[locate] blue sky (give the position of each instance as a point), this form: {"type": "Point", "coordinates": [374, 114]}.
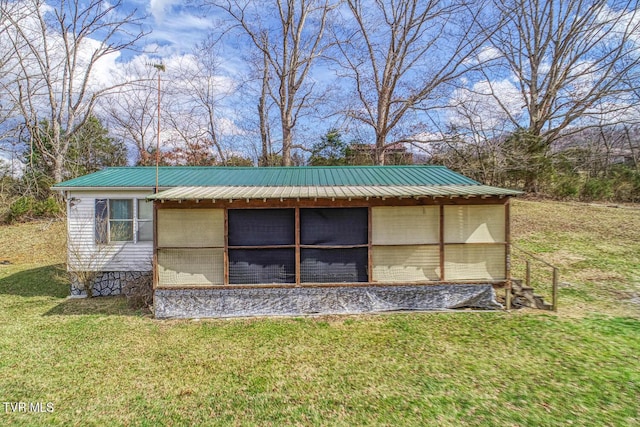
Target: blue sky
{"type": "Point", "coordinates": [175, 26]}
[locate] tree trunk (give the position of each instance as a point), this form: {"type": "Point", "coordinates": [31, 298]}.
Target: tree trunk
{"type": "Point", "coordinates": [58, 168]}
{"type": "Point", "coordinates": [265, 158]}
{"type": "Point", "coordinates": [286, 145]}
{"type": "Point", "coordinates": [378, 155]}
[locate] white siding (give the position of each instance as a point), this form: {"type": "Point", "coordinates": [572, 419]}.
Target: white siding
{"type": "Point", "coordinates": [85, 254]}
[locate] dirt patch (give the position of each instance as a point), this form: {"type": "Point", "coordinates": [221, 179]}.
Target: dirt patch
{"type": "Point", "coordinates": [595, 275]}
{"type": "Point", "coordinates": [563, 258]}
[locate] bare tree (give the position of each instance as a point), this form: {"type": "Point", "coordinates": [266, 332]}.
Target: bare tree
{"type": "Point", "coordinates": [290, 36]}
{"type": "Point", "coordinates": [566, 57]}
{"type": "Point", "coordinates": [197, 111]}
{"type": "Point", "coordinates": [400, 56]}
{"type": "Point", "coordinates": [266, 153]}
{"type": "Point", "coordinates": [58, 50]}
{"type": "Point", "coordinates": [9, 126]}
{"type": "Point", "coordinates": [132, 111]}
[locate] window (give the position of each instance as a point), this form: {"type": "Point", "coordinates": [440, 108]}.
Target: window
{"type": "Point", "coordinates": [120, 220]}
{"type": "Point", "coordinates": [123, 220]}
{"type": "Point", "coordinates": [334, 245]}
{"type": "Point", "coordinates": [261, 246]}
{"type": "Point", "coordinates": [145, 221]}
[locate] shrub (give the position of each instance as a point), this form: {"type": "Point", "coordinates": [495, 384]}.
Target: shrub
{"type": "Point", "coordinates": [26, 208]}
{"type": "Point", "coordinates": [566, 187]}
{"type": "Point", "coordinates": [139, 292]}
{"type": "Point", "coordinates": [626, 183]}
{"type": "Point", "coordinates": [597, 189]}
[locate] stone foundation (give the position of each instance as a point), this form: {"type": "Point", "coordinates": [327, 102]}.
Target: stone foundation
{"type": "Point", "coordinates": [109, 283]}
{"type": "Point", "coordinates": [196, 303]}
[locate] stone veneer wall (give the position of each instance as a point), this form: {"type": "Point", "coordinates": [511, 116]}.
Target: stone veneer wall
{"type": "Point", "coordinates": [109, 282]}
{"type": "Point", "coordinates": [194, 303]}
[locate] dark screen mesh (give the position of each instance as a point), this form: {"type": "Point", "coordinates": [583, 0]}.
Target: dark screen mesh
{"type": "Point", "coordinates": [261, 227]}
{"type": "Point", "coordinates": [333, 226]}
{"type": "Point", "coordinates": [333, 265]}
{"type": "Point", "coordinates": [251, 266]}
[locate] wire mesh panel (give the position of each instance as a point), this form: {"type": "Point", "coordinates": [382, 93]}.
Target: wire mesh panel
{"type": "Point", "coordinates": [261, 227]}
{"type": "Point", "coordinates": [334, 226]}
{"type": "Point", "coordinates": [190, 227]}
{"type": "Point", "coordinates": [406, 263]}
{"type": "Point", "coordinates": [261, 266]}
{"type": "Point", "coordinates": [188, 267]}
{"type": "Point", "coordinates": [333, 265]}
{"type": "Point", "coordinates": [408, 225]}
{"type": "Point", "coordinates": [474, 262]}
{"type": "Point", "coordinates": [474, 224]}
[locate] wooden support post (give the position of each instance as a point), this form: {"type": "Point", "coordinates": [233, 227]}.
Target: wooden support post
{"type": "Point", "coordinates": [154, 271]}
{"type": "Point", "coordinates": [369, 245]}
{"type": "Point", "coordinates": [554, 290]}
{"type": "Point", "coordinates": [507, 254]}
{"type": "Point", "coordinates": [297, 241]}
{"type": "Point", "coordinates": [225, 279]}
{"type": "Point", "coordinates": [441, 238]}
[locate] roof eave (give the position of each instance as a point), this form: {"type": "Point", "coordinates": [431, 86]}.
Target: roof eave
{"type": "Point", "coordinates": [334, 193]}
{"type": "Point", "coordinates": [64, 188]}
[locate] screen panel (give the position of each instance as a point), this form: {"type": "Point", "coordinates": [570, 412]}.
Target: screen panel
{"type": "Point", "coordinates": [405, 225]}
{"type": "Point", "coordinates": [189, 267]}
{"type": "Point", "coordinates": [333, 265]}
{"type": "Point", "coordinates": [334, 226]}
{"type": "Point", "coordinates": [474, 262]}
{"type": "Point", "coordinates": [261, 227]}
{"type": "Point", "coordinates": [474, 224]}
{"type": "Point", "coordinates": [190, 227]}
{"type": "Point", "coordinates": [406, 263]}
{"type": "Point", "coordinates": [261, 266]}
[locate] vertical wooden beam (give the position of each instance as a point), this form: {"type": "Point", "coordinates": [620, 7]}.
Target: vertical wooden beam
{"type": "Point", "coordinates": [441, 232]}
{"type": "Point", "coordinates": [226, 247]}
{"type": "Point", "coordinates": [554, 289]}
{"type": "Point", "coordinates": [507, 259]}
{"type": "Point", "coordinates": [369, 244]}
{"type": "Point", "coordinates": [154, 266]}
{"type": "Point", "coordinates": [297, 239]}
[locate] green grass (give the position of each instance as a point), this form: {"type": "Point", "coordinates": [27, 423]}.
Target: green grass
{"type": "Point", "coordinates": [597, 249]}
{"type": "Point", "coordinates": [101, 363]}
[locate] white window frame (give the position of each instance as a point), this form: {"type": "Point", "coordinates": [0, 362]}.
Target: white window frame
{"type": "Point", "coordinates": [134, 220]}
{"type": "Point", "coordinates": [138, 220]}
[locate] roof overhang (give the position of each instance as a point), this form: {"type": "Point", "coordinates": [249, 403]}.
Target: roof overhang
{"type": "Point", "coordinates": [330, 192]}
{"type": "Point", "coordinates": [106, 188]}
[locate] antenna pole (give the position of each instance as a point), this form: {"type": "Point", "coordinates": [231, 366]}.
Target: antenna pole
{"type": "Point", "coordinates": [158, 137]}
{"type": "Point", "coordinates": [159, 67]}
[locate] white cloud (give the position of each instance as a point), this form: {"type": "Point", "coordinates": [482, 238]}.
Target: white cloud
{"type": "Point", "coordinates": [486, 103]}
{"type": "Point", "coordinates": [159, 9]}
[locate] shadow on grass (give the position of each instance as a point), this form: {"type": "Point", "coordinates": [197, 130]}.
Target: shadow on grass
{"type": "Point", "coordinates": [50, 280]}
{"type": "Point", "coordinates": [110, 306]}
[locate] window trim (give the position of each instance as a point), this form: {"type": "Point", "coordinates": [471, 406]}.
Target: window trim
{"type": "Point", "coordinates": [106, 240]}
{"type": "Point", "coordinates": [128, 220]}
{"type": "Point", "coordinates": [138, 220]}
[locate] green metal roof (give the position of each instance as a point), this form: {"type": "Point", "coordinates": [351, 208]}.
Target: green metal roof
{"type": "Point", "coordinates": [215, 176]}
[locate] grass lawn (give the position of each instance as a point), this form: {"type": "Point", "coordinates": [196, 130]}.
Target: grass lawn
{"type": "Point", "coordinates": [100, 363]}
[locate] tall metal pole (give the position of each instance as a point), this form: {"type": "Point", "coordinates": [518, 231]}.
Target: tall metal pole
{"type": "Point", "coordinates": [158, 67]}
